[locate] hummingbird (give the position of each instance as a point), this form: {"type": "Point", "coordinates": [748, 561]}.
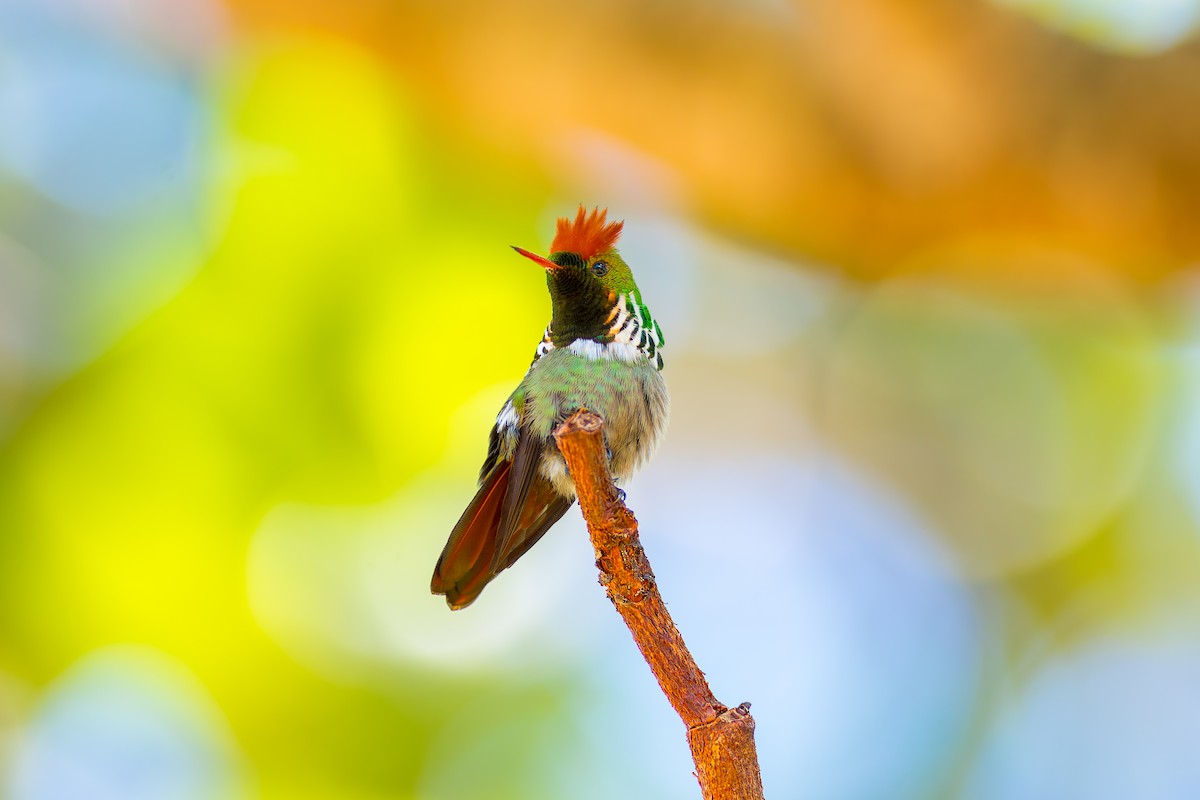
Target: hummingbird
{"type": "Point", "coordinates": [601, 351]}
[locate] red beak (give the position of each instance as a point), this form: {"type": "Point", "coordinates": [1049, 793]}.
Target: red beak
{"type": "Point", "coordinates": [535, 258]}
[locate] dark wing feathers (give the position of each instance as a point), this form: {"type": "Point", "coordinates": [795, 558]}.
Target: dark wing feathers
{"type": "Point", "coordinates": [513, 508]}
{"type": "Point", "coordinates": [544, 508]}
{"type": "Point", "coordinates": [493, 453]}
{"type": "Point", "coordinates": [526, 460]}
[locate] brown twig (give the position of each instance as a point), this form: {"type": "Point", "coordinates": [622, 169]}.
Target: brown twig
{"type": "Point", "coordinates": [721, 738]}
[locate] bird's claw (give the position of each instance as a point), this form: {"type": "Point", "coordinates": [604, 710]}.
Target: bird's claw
{"type": "Point", "coordinates": [620, 493]}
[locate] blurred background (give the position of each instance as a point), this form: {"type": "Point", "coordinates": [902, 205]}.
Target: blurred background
{"type": "Point", "coordinates": [929, 499]}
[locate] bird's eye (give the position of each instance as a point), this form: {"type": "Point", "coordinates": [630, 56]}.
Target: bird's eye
{"type": "Point", "coordinates": [600, 268]}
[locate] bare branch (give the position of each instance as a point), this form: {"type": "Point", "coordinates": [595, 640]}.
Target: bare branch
{"type": "Point", "coordinates": [721, 738]}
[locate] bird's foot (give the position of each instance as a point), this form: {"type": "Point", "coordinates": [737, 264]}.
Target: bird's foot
{"type": "Point", "coordinates": [620, 493]}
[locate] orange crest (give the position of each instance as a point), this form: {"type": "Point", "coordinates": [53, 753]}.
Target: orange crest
{"type": "Point", "coordinates": [588, 236]}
